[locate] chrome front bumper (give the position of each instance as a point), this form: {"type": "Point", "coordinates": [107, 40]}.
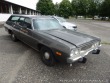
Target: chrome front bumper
{"type": "Point", "coordinates": [95, 50]}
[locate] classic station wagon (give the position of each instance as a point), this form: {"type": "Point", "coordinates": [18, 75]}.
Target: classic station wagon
{"type": "Point", "coordinates": [55, 43]}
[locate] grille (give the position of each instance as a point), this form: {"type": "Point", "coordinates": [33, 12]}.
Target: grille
{"type": "Point", "coordinates": [85, 47]}
{"type": "Point", "coordinates": [74, 26]}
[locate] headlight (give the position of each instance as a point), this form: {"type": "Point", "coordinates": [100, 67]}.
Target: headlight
{"type": "Point", "coordinates": [96, 44]}
{"type": "Point", "coordinates": [74, 52]}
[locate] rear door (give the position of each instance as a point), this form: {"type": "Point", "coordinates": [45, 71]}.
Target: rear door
{"type": "Point", "coordinates": [12, 23]}
{"type": "Point", "coordinates": [19, 26]}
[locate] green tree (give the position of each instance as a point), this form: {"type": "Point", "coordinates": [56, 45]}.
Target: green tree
{"type": "Point", "coordinates": [56, 9]}
{"type": "Point", "coordinates": [82, 7]}
{"type": "Point", "coordinates": [65, 9]}
{"type": "Point", "coordinates": [74, 4]}
{"type": "Point", "coordinates": [93, 6]}
{"type": "Point", "coordinates": [79, 7]}
{"type": "Point", "coordinates": [46, 7]}
{"type": "Point", "coordinates": [104, 9]}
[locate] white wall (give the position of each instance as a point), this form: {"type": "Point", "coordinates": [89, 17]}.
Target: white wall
{"type": "Point", "coordinates": [4, 17]}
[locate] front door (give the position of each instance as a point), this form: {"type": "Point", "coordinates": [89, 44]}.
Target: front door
{"type": "Point", "coordinates": [26, 34]}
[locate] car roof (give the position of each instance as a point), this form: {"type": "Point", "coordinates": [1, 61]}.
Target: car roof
{"type": "Point", "coordinates": [32, 16]}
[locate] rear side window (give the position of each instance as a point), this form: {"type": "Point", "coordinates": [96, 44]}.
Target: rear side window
{"type": "Point", "coordinates": [21, 21]}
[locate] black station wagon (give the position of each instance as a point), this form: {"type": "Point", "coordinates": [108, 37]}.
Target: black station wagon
{"type": "Point", "coordinates": [55, 43]}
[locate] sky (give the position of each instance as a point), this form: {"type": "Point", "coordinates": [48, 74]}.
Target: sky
{"type": "Point", "coordinates": [29, 3]}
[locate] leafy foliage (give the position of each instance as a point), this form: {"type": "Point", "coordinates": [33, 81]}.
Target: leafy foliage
{"type": "Point", "coordinates": [93, 7]}
{"type": "Point", "coordinates": [46, 7]}
{"type": "Point", "coordinates": [104, 8]}
{"type": "Point", "coordinates": [85, 7]}
{"type": "Point", "coordinates": [65, 8]}
{"type": "Point", "coordinates": [75, 8]}
{"type": "Point", "coordinates": [56, 9]}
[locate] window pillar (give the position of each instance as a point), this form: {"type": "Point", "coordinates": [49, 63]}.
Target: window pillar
{"type": "Point", "coordinates": [20, 12]}
{"type": "Point", "coordinates": [30, 12]}
{"type": "Point", "coordinates": [26, 11]}
{"type": "Point", "coordinates": [11, 9]}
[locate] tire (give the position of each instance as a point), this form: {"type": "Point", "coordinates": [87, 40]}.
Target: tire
{"type": "Point", "coordinates": [82, 60]}
{"type": "Point", "coordinates": [96, 51]}
{"type": "Point", "coordinates": [13, 37]}
{"type": "Point", "coordinates": [47, 56]}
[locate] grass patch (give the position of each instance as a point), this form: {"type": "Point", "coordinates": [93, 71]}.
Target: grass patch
{"type": "Point", "coordinates": [106, 43]}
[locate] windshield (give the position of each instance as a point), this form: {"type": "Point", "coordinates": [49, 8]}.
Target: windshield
{"type": "Point", "coordinates": [46, 24]}
{"type": "Point", "coordinates": [61, 19]}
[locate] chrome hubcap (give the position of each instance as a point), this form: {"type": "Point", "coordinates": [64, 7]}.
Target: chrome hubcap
{"type": "Point", "coordinates": [46, 55]}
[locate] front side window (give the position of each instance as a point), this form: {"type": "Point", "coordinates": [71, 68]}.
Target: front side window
{"type": "Point", "coordinates": [46, 24]}
{"type": "Point", "coordinates": [28, 23]}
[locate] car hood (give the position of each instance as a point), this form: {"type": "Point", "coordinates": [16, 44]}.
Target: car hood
{"type": "Point", "coordinates": [67, 24]}
{"type": "Point", "coordinates": [72, 37]}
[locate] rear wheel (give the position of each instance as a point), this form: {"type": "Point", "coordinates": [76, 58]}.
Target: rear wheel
{"type": "Point", "coordinates": [13, 37]}
{"type": "Point", "coordinates": [47, 56]}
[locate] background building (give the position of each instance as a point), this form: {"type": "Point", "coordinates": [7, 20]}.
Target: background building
{"type": "Point", "coordinates": [7, 8]}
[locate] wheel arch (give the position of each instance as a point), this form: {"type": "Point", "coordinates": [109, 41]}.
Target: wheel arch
{"type": "Point", "coordinates": [10, 31]}
{"type": "Point", "coordinates": [42, 45]}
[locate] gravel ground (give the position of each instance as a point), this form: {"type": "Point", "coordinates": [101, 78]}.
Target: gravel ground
{"type": "Point", "coordinates": [1, 24]}
{"type": "Point", "coordinates": [21, 64]}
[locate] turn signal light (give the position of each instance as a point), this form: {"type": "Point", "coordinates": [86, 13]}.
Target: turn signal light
{"type": "Point", "coordinates": [58, 53]}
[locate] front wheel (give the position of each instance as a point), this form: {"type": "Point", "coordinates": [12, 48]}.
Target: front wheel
{"type": "Point", "coordinates": [47, 56]}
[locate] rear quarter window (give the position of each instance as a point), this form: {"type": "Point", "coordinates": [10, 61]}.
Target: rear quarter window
{"type": "Point", "coordinates": [13, 18]}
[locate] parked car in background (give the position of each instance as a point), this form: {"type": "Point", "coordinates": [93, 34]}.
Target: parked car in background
{"type": "Point", "coordinates": [65, 24]}
{"type": "Point", "coordinates": [55, 43]}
